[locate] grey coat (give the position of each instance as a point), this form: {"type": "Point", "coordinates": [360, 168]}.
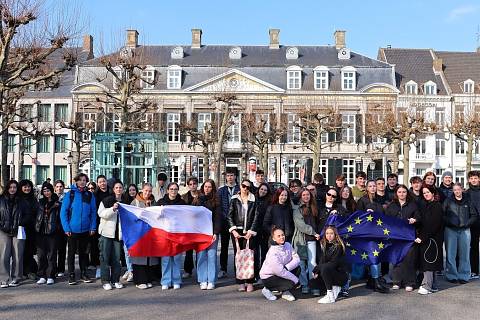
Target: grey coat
{"type": "Point", "coordinates": [301, 229]}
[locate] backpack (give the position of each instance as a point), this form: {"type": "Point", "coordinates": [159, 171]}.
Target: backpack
{"type": "Point", "coordinates": [85, 198]}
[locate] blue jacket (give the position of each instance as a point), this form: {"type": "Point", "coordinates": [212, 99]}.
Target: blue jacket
{"type": "Point", "coordinates": [81, 215]}
{"type": "Point", "coordinates": [225, 198]}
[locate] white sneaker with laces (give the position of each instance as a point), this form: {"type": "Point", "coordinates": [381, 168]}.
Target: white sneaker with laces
{"type": "Point", "coordinates": [336, 290]}
{"type": "Point", "coordinates": [149, 285]}
{"type": "Point", "coordinates": [268, 294]}
{"type": "Point", "coordinates": [408, 289]}
{"type": "Point", "coordinates": [142, 286]}
{"type": "Point", "coordinates": [176, 286]}
{"type": "Point", "coordinates": [50, 281]}
{"type": "Point", "coordinates": [164, 287]}
{"type": "Point", "coordinates": [3, 285]}
{"type": "Point", "coordinates": [287, 295]}
{"type": "Point", "coordinates": [118, 285]}
{"type": "Point", "coordinates": [107, 286]}
{"type": "Point", "coordinates": [203, 286]}
{"type": "Point", "coordinates": [423, 291]}
{"type": "Point", "coordinates": [42, 281]}
{"type": "Point", "coordinates": [395, 287]}
{"type": "Point", "coordinates": [328, 298]}
{"type": "Point", "coordinates": [125, 275]}
{"type": "Point", "coordinates": [130, 277]}
{"type": "Point", "coordinates": [60, 274]}
{"type": "Point", "coordinates": [210, 286]}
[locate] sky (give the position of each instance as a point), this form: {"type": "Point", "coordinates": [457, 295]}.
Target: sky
{"type": "Point", "coordinates": [441, 24]}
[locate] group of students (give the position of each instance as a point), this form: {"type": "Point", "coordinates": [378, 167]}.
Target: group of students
{"type": "Point", "coordinates": [286, 228]}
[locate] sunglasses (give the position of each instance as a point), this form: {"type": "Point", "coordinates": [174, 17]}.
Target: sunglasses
{"type": "Point", "coordinates": [331, 195]}
{"type": "Point", "coordinates": [245, 186]}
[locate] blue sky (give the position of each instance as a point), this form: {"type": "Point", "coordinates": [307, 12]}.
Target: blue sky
{"type": "Point", "coordinates": [441, 24]}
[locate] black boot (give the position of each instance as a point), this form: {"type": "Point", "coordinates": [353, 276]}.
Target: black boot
{"type": "Point", "coordinates": [379, 287]}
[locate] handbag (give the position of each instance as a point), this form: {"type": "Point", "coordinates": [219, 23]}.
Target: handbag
{"type": "Point", "coordinates": [244, 262]}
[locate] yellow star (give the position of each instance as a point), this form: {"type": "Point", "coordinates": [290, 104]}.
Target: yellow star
{"type": "Point", "coordinates": [375, 253]}
{"type": "Point", "coordinates": [386, 232]}
{"type": "Point", "coordinates": [358, 220]}
{"type": "Point", "coordinates": [381, 245]}
{"type": "Point", "coordinates": [364, 256]}
{"type": "Point", "coordinates": [353, 252]}
{"type": "Point", "coordinates": [369, 218]}
{"type": "Point", "coordinates": [379, 222]}
{"type": "Point", "coordinates": [349, 228]}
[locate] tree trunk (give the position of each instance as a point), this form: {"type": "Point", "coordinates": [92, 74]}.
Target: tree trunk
{"type": "Point", "coordinates": [469, 153]}
{"type": "Point", "coordinates": [316, 153]}
{"type": "Point", "coordinates": [21, 158]}
{"type": "Point", "coordinates": [222, 132]}
{"type": "Point", "coordinates": [5, 173]}
{"type": "Point", "coordinates": [406, 163]}
{"type": "Point", "coordinates": [264, 159]}
{"type": "Point", "coordinates": [206, 167]}
{"type": "Point", "coordinates": [396, 154]}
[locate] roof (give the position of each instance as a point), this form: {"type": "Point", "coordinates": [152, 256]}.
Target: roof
{"type": "Point", "coordinates": [460, 66]}
{"type": "Point", "coordinates": [413, 64]}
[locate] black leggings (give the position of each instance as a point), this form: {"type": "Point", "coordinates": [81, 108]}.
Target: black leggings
{"type": "Point", "coordinates": [328, 277]}
{"type": "Point", "coordinates": [276, 283]}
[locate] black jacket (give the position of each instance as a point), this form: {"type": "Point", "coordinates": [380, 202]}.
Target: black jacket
{"type": "Point", "coordinates": [214, 206]}
{"type": "Point", "coordinates": [474, 196]}
{"type": "Point", "coordinates": [405, 212]}
{"type": "Point", "coordinates": [458, 214]}
{"type": "Point", "coordinates": [446, 191]}
{"type": "Point", "coordinates": [332, 254]}
{"type": "Point", "coordinates": [324, 212]}
{"type": "Point", "coordinates": [431, 234]}
{"type": "Point", "coordinates": [280, 216]}
{"type": "Point", "coordinates": [364, 204]}
{"type": "Point", "coordinates": [240, 222]}
{"type": "Point", "coordinates": [10, 215]}
{"type": "Point", "coordinates": [48, 217]}
{"type": "Point", "coordinates": [389, 192]}
{"type": "Point", "coordinates": [30, 207]}
{"type": "Point", "coordinates": [165, 201]}
{"type": "Point", "coordinates": [262, 205]}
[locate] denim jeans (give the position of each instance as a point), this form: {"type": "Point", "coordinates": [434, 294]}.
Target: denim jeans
{"type": "Point", "coordinates": [207, 264]}
{"type": "Point", "coordinates": [375, 271]}
{"type": "Point", "coordinates": [457, 244]}
{"type": "Point", "coordinates": [306, 267]}
{"type": "Point", "coordinates": [109, 259]}
{"type": "Point", "coordinates": [127, 259]}
{"type": "Point", "coordinates": [171, 270]}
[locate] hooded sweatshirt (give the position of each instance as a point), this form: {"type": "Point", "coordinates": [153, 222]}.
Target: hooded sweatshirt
{"type": "Point", "coordinates": [280, 261]}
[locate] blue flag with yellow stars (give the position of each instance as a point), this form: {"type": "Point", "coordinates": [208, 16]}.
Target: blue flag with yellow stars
{"type": "Point", "coordinates": [372, 237]}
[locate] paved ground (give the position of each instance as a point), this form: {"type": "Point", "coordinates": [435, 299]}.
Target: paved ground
{"type": "Point", "coordinates": [90, 301]}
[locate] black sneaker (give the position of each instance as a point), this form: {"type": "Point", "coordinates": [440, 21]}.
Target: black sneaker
{"type": "Point", "coordinates": [85, 278]}
{"type": "Point", "coordinates": [71, 279]}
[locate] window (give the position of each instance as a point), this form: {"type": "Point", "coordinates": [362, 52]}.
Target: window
{"type": "Point", "coordinates": [294, 78]}
{"type": "Point", "coordinates": [61, 112]}
{"type": "Point", "coordinates": [44, 113]}
{"type": "Point", "coordinates": [348, 78]}
{"type": "Point", "coordinates": [174, 173]}
{"type": "Point", "coordinates": [11, 143]}
{"type": "Point", "coordinates": [43, 144]}
{"type": "Point", "coordinates": [148, 78]}
{"type": "Point", "coordinates": [293, 169]}
{"type": "Point", "coordinates": [174, 77]}
{"type": "Point", "coordinates": [43, 172]}
{"type": "Point", "coordinates": [293, 131]}
{"type": "Point", "coordinates": [324, 137]}
{"type": "Point", "coordinates": [440, 117]}
{"type": "Point", "coordinates": [27, 172]}
{"type": "Point", "coordinates": [321, 78]}
{"type": "Point", "coordinates": [173, 130]}
{"type": "Point", "coordinates": [439, 173]}
{"type": "Point", "coordinates": [421, 146]}
{"type": "Point", "coordinates": [117, 122]}
{"type": "Point", "coordinates": [348, 128]}
{"type": "Point", "coordinates": [420, 171]}
{"type": "Point", "coordinates": [26, 112]}
{"type": "Point", "coordinates": [460, 176]}
{"type": "Point", "coordinates": [60, 143]}
{"type": "Point", "coordinates": [440, 147]}
{"type": "Point", "coordinates": [459, 146]}
{"type": "Point", "coordinates": [323, 168]}
{"type": "Point", "coordinates": [459, 113]}
{"type": "Point", "coordinates": [147, 121]}
{"type": "Point", "coordinates": [89, 120]}
{"type": "Point", "coordinates": [233, 132]}
{"type": "Point", "coordinates": [60, 172]}
{"type": "Point", "coordinates": [200, 176]}
{"type": "Point", "coordinates": [430, 88]}
{"type": "Point", "coordinates": [348, 170]}
{"type": "Point", "coordinates": [469, 86]}
{"type": "Point", "coordinates": [411, 87]}
{"type": "Point", "coordinates": [28, 145]}
{"type": "Point", "coordinates": [203, 120]}
{"type": "Point", "coordinates": [264, 118]}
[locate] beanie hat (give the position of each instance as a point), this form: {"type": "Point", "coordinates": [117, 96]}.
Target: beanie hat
{"type": "Point", "coordinates": [447, 174]}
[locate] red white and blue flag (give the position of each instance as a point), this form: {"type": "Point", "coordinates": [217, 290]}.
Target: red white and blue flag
{"type": "Point", "coordinates": [165, 231]}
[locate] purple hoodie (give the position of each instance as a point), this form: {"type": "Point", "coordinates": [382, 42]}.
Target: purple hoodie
{"type": "Point", "coordinates": [280, 260]}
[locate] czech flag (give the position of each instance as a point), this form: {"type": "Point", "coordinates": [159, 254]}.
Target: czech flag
{"type": "Point", "coordinates": [165, 231]}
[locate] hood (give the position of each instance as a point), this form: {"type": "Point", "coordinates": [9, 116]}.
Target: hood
{"type": "Point", "coordinates": [177, 199]}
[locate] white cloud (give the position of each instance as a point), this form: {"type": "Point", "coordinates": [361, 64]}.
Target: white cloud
{"type": "Point", "coordinates": [461, 11]}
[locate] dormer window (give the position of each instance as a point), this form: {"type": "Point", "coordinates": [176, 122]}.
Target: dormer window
{"type": "Point", "coordinates": [468, 86]}
{"type": "Point", "coordinates": [321, 78]}
{"type": "Point", "coordinates": [148, 78]}
{"type": "Point", "coordinates": [411, 87]}
{"type": "Point", "coordinates": [174, 77]}
{"type": "Point", "coordinates": [294, 78]}
{"type": "Point", "coordinates": [430, 88]}
{"type": "Point", "coordinates": [348, 78]}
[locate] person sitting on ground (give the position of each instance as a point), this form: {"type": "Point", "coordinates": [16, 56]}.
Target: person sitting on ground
{"type": "Point", "coordinates": [280, 270]}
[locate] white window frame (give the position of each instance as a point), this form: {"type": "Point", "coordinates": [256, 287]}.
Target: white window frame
{"type": "Point", "coordinates": [294, 167]}
{"type": "Point", "coordinates": [323, 168]}
{"type": "Point", "coordinates": [61, 112]}
{"type": "Point", "coordinates": [430, 88]}
{"type": "Point", "coordinates": [263, 117]}
{"type": "Point", "coordinates": [348, 128]}
{"type": "Point", "coordinates": [203, 119]}
{"type": "Point", "coordinates": [175, 173]}
{"type": "Point", "coordinates": [460, 176]}
{"type": "Point", "coordinates": [147, 120]}
{"type": "Point", "coordinates": [174, 77]}
{"type": "Point", "coordinates": [439, 173]}
{"type": "Point", "coordinates": [349, 78]}
{"type": "Point", "coordinates": [348, 170]}
{"type": "Point", "coordinates": [173, 127]}
{"type": "Point", "coordinates": [421, 146]}
{"type": "Point", "coordinates": [119, 72]}
{"type": "Point", "coordinates": [440, 145]}
{"type": "Point", "coordinates": [460, 147]}
{"type": "Point", "coordinates": [147, 78]}
{"type": "Point", "coordinates": [293, 131]}
{"type": "Point", "coordinates": [440, 117]}
{"type": "Point", "coordinates": [44, 116]}
{"type": "Point", "coordinates": [469, 86]}
{"type": "Point", "coordinates": [294, 78]}
{"type": "Point", "coordinates": [234, 132]}
{"type": "Point", "coordinates": [411, 87]}
{"type": "Point", "coordinates": [321, 78]}
{"type": "Point", "coordinates": [420, 171]}
{"type": "Point", "coordinates": [117, 122]}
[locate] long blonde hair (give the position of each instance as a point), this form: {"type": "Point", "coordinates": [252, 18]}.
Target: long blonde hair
{"type": "Point", "coordinates": [338, 240]}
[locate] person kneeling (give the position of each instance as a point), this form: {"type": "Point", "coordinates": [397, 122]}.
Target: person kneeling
{"type": "Point", "coordinates": [280, 270]}
{"type": "Point", "coordinates": [330, 274]}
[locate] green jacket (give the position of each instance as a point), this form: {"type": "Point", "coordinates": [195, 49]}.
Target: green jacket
{"type": "Point", "coordinates": [301, 229]}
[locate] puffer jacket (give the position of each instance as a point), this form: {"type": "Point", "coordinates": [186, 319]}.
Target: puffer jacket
{"type": "Point", "coordinates": [280, 261]}
{"type": "Point", "coordinates": [109, 219]}
{"type": "Point", "coordinates": [10, 215]}
{"type": "Point", "coordinates": [243, 222]}
{"type": "Point", "coordinates": [81, 215]}
{"type": "Point", "coordinates": [48, 216]}
{"type": "Point", "coordinates": [458, 214]}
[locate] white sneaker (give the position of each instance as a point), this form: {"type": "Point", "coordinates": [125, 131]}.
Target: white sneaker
{"type": "Point", "coordinates": [125, 275]}
{"type": "Point", "coordinates": [222, 274]}
{"type": "Point", "coordinates": [118, 285]}
{"type": "Point", "coordinates": [42, 281]}
{"type": "Point", "coordinates": [423, 291]}
{"type": "Point", "coordinates": [165, 287]}
{"type": "Point", "coordinates": [336, 290]}
{"type": "Point", "coordinates": [328, 298]}
{"type": "Point", "coordinates": [395, 287]}
{"type": "Point", "coordinates": [176, 286]}
{"type": "Point", "coordinates": [203, 286]}
{"type": "Point", "coordinates": [50, 281]}
{"type": "Point", "coordinates": [408, 289]}
{"type": "Point", "coordinates": [60, 274]}
{"type": "Point", "coordinates": [210, 286]}
{"type": "Point", "coordinates": [149, 285]}
{"type": "Point", "coordinates": [130, 277]}
{"type": "Point", "coordinates": [268, 294]}
{"type": "Point", "coordinates": [288, 296]}
{"type": "Point", "coordinates": [107, 286]}
{"type": "Point", "coordinates": [98, 273]}
{"type": "Point", "coordinates": [3, 285]}
{"type": "Point", "coordinates": [142, 286]}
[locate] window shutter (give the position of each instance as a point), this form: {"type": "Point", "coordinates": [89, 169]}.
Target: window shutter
{"type": "Point", "coordinates": [194, 120]}
{"type": "Point", "coordinates": [156, 121]}
{"type": "Point", "coordinates": [163, 122]}
{"type": "Point", "coordinates": [358, 128]}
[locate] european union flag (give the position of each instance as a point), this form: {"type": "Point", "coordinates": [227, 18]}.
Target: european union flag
{"type": "Point", "coordinates": [372, 237]}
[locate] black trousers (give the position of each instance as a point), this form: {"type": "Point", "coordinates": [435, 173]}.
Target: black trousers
{"type": "Point", "coordinates": [188, 264]}
{"type": "Point", "coordinates": [328, 277]}
{"type": "Point", "coordinates": [61, 241]}
{"type": "Point", "coordinates": [276, 283]}
{"type": "Point", "coordinates": [242, 243]}
{"type": "Point", "coordinates": [94, 251]}
{"type": "Point", "coordinates": [224, 243]}
{"type": "Point", "coordinates": [261, 248]}
{"type": "Point", "coordinates": [29, 263]}
{"type": "Point", "coordinates": [78, 242]}
{"type": "Point", "coordinates": [474, 255]}
{"type": "Point", "coordinates": [404, 273]}
{"type": "Point", "coordinates": [47, 255]}
{"type": "Point", "coordinates": [143, 274]}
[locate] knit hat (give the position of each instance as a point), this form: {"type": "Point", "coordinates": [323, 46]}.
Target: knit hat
{"type": "Point", "coordinates": [47, 186]}
{"type": "Point", "coordinates": [447, 174]}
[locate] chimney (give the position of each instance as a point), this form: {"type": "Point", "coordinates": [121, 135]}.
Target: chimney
{"type": "Point", "coordinates": [437, 65]}
{"type": "Point", "coordinates": [132, 39]}
{"type": "Point", "coordinates": [339, 39]}
{"type": "Point", "coordinates": [196, 38]}
{"type": "Point", "coordinates": [88, 46]}
{"type": "Point", "coordinates": [274, 41]}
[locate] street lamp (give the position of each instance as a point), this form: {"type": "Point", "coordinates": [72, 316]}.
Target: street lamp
{"type": "Point", "coordinates": [371, 166]}
{"type": "Point", "coordinates": [70, 161]}
{"type": "Point", "coordinates": [12, 170]}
